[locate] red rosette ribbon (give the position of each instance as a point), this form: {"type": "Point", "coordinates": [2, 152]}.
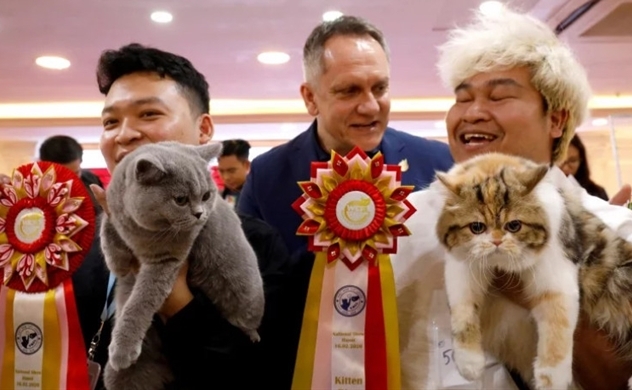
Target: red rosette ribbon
{"type": "Point", "coordinates": [354, 208]}
{"type": "Point", "coordinates": [46, 227]}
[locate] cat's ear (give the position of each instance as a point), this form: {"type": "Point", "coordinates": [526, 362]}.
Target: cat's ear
{"type": "Point", "coordinates": [209, 151]}
{"type": "Point", "coordinates": [149, 170]}
{"type": "Point", "coordinates": [444, 179]}
{"type": "Point", "coordinates": [531, 177]}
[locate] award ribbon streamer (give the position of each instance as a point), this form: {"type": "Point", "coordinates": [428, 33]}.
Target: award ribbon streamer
{"type": "Point", "coordinates": [353, 210]}
{"type": "Point", "coordinates": [46, 230]}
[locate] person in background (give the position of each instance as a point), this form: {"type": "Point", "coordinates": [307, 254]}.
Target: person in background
{"type": "Point", "coordinates": [576, 165]}
{"type": "Point", "coordinates": [67, 151]}
{"type": "Point", "coordinates": [346, 89]}
{"type": "Point", "coordinates": [233, 165]}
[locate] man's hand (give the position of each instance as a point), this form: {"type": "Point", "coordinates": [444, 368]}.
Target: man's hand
{"type": "Point", "coordinates": [596, 366]}
{"type": "Point", "coordinates": [595, 363]}
{"type": "Point", "coordinates": [180, 295]}
{"type": "Point", "coordinates": [623, 196]}
{"type": "Point", "coordinates": [99, 195]}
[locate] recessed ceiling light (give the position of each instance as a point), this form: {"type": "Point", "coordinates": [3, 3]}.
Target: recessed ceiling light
{"type": "Point", "coordinates": [52, 62]}
{"type": "Point", "coordinates": [273, 57]}
{"type": "Point", "coordinates": [491, 7]}
{"type": "Point", "coordinates": [331, 15]}
{"type": "Point", "coordinates": [599, 122]}
{"type": "Point", "coordinates": [161, 17]}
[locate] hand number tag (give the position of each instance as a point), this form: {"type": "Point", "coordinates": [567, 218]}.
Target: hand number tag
{"type": "Point", "coordinates": [446, 353]}
{"type": "Point", "coordinates": [450, 378]}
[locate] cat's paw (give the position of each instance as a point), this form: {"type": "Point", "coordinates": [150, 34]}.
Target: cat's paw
{"type": "Point", "coordinates": [122, 358]}
{"type": "Point", "coordinates": [254, 335]}
{"type": "Point", "coordinates": [470, 363]}
{"type": "Point", "coordinates": [630, 384]}
{"type": "Point", "coordinates": [559, 377]}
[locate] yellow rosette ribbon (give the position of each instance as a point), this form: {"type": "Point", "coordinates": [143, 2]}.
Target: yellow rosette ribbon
{"type": "Point", "coordinates": [353, 208]}
{"type": "Point", "coordinates": [46, 230]}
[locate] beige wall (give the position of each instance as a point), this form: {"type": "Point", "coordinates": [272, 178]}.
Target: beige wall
{"type": "Point", "coordinates": [15, 153]}
{"type": "Point", "coordinates": [600, 156]}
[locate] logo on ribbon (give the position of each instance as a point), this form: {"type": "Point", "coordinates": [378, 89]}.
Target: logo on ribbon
{"type": "Point", "coordinates": [28, 338]}
{"type": "Point", "coordinates": [349, 301]}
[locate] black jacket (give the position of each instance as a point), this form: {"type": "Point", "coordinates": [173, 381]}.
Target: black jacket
{"type": "Point", "coordinates": [203, 349]}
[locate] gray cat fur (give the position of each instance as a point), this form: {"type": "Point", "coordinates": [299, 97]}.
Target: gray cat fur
{"type": "Point", "coordinates": [147, 228]}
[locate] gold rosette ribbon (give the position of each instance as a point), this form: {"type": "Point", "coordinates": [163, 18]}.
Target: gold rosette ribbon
{"type": "Point", "coordinates": [46, 230]}
{"type": "Point", "coordinates": [354, 208]}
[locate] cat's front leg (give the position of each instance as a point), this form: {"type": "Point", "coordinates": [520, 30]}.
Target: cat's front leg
{"type": "Point", "coordinates": [118, 257]}
{"type": "Point", "coordinates": [153, 284]}
{"type": "Point", "coordinates": [465, 297]}
{"type": "Point", "coordinates": [555, 311]}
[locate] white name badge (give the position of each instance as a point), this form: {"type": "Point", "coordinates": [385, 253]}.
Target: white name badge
{"type": "Point", "coordinates": [445, 367]}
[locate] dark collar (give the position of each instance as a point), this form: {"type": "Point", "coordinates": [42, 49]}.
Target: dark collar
{"type": "Point", "coordinates": [323, 155]}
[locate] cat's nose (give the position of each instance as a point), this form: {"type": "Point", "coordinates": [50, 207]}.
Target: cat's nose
{"type": "Point", "coordinates": [198, 215]}
{"type": "Point", "coordinates": [497, 242]}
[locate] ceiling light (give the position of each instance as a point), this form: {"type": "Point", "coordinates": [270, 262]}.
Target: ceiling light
{"type": "Point", "coordinates": [52, 62]}
{"type": "Point", "coordinates": [161, 17]}
{"type": "Point", "coordinates": [599, 122]}
{"type": "Point", "coordinates": [331, 15]}
{"type": "Point", "coordinates": [491, 8]}
{"type": "Point", "coordinates": [273, 57]}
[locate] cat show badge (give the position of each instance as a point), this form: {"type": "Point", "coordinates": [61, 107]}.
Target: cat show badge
{"type": "Point", "coordinates": [353, 210]}
{"type": "Point", "coordinates": [47, 225]}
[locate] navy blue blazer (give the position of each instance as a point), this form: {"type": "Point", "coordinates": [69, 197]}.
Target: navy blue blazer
{"type": "Point", "coordinates": [271, 186]}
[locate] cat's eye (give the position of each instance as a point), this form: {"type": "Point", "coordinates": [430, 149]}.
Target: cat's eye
{"type": "Point", "coordinates": [181, 200]}
{"type": "Point", "coordinates": [513, 226]}
{"type": "Point", "coordinates": [478, 227]}
{"type": "Point", "coordinates": [206, 195]}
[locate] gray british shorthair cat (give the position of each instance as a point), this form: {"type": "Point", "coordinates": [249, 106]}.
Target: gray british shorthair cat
{"type": "Point", "coordinates": [164, 209]}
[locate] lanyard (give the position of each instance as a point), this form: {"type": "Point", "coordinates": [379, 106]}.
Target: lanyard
{"type": "Point", "coordinates": [108, 310]}
{"type": "Point", "coordinates": [106, 314]}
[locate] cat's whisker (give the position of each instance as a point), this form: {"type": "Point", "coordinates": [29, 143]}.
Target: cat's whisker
{"type": "Point", "coordinates": [164, 234]}
{"type": "Point", "coordinates": [480, 275]}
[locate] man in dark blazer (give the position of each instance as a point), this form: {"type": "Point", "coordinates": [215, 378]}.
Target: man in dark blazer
{"type": "Point", "coordinates": [272, 186]}
{"type": "Point", "coordinates": [346, 89]}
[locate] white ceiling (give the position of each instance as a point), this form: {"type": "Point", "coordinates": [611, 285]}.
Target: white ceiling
{"type": "Point", "coordinates": [223, 37]}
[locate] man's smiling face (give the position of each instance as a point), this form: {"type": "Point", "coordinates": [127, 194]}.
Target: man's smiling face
{"type": "Point", "coordinates": [501, 111]}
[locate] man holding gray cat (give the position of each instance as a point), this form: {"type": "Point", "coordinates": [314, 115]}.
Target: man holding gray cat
{"type": "Point", "coordinates": [519, 90]}
{"type": "Point", "coordinates": [153, 96]}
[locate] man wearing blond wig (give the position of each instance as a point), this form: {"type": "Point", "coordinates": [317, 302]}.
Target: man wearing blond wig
{"type": "Point", "coordinates": [519, 90]}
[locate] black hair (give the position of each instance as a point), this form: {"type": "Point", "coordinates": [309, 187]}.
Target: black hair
{"type": "Point", "coordinates": [236, 147]}
{"type": "Point", "coordinates": [136, 58]}
{"type": "Point", "coordinates": [60, 149]}
{"type": "Point", "coordinates": [583, 171]}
